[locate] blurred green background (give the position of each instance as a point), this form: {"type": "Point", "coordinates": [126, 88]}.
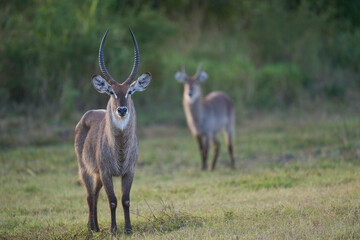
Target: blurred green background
{"type": "Point", "coordinates": [270, 56]}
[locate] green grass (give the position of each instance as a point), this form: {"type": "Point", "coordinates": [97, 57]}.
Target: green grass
{"type": "Point", "coordinates": [295, 179]}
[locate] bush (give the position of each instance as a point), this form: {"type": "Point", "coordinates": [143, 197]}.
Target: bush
{"type": "Point", "coordinates": [278, 85]}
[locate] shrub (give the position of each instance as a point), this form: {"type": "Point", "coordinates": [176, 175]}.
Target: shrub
{"type": "Point", "coordinates": [277, 85]}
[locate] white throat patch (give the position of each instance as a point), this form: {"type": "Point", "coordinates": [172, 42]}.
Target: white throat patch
{"type": "Point", "coordinates": [120, 123]}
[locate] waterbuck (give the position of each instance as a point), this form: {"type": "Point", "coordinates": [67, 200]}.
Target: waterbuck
{"type": "Point", "coordinates": [105, 141]}
{"type": "Point", "coordinates": [207, 116]}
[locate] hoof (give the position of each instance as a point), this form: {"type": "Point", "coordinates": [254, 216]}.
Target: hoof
{"type": "Point", "coordinates": [128, 231]}
{"type": "Point", "coordinates": [114, 230]}
{"type": "Point", "coordinates": [93, 228]}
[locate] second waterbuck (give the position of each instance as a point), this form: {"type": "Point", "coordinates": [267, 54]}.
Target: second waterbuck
{"type": "Point", "coordinates": [207, 116]}
{"type": "Point", "coordinates": [105, 141]}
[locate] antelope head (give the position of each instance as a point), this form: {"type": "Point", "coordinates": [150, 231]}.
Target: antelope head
{"type": "Point", "coordinates": [120, 93]}
{"type": "Point", "coordinates": [192, 89]}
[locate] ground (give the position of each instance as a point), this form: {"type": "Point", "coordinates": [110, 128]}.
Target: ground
{"type": "Point", "coordinates": [295, 179]}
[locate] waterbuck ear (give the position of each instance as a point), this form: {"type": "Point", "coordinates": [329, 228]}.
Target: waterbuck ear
{"type": "Point", "coordinates": [102, 86]}
{"type": "Point", "coordinates": [180, 77]}
{"type": "Point", "coordinates": [202, 76]}
{"type": "Point", "coordinates": [140, 84]}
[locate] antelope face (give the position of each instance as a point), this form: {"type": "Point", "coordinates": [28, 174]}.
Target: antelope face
{"type": "Point", "coordinates": [120, 104]}
{"type": "Point", "coordinates": [121, 93]}
{"type": "Point", "coordinates": [192, 89]}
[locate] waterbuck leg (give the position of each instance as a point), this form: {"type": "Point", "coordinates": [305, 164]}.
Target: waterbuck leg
{"type": "Point", "coordinates": [205, 153]}
{"type": "Point", "coordinates": [230, 149]}
{"type": "Point", "coordinates": [97, 187]}
{"type": "Point", "coordinates": [216, 145]}
{"type": "Point", "coordinates": [125, 200]}
{"type": "Point", "coordinates": [90, 198]}
{"type": "Point", "coordinates": [201, 147]}
{"type": "Point", "coordinates": [232, 161]}
{"type": "Point", "coordinates": [109, 189]}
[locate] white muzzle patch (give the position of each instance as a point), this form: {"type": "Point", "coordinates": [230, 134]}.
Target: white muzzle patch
{"type": "Point", "coordinates": [195, 95]}
{"type": "Point", "coordinates": [120, 122]}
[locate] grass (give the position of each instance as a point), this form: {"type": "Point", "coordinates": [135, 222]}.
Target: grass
{"type": "Point", "coordinates": [295, 179]}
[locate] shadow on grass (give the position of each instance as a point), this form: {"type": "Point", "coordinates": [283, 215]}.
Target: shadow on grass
{"type": "Point", "coordinates": [163, 220]}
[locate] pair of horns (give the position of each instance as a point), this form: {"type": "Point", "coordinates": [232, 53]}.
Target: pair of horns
{"type": "Point", "coordinates": [134, 70]}
{"type": "Point", "coordinates": [198, 71]}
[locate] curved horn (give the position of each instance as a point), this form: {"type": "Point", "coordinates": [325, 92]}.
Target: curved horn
{"type": "Point", "coordinates": [103, 69]}
{"type": "Point", "coordinates": [136, 60]}
{"type": "Point", "coordinates": [183, 69]}
{"type": "Point", "coordinates": [198, 72]}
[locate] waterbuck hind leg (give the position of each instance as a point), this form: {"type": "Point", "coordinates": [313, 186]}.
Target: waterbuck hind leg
{"type": "Point", "coordinates": [216, 146]}
{"type": "Point", "coordinates": [125, 200]}
{"type": "Point", "coordinates": [109, 189]}
{"type": "Point", "coordinates": [91, 199]}
{"type": "Point", "coordinates": [232, 160]}
{"type": "Point", "coordinates": [230, 149]}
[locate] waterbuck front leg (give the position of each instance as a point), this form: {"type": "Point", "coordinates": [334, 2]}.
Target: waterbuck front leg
{"type": "Point", "coordinates": [109, 189]}
{"type": "Point", "coordinates": [97, 187]}
{"type": "Point", "coordinates": [201, 147]}
{"type": "Point", "coordinates": [216, 146]}
{"type": "Point", "coordinates": [91, 199]}
{"type": "Point", "coordinates": [205, 152]}
{"type": "Point", "coordinates": [125, 199]}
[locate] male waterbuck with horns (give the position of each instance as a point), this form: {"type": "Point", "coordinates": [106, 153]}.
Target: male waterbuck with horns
{"type": "Point", "coordinates": [105, 141]}
{"type": "Point", "coordinates": [207, 116]}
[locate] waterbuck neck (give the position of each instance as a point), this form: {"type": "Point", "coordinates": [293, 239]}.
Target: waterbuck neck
{"type": "Point", "coordinates": [193, 112]}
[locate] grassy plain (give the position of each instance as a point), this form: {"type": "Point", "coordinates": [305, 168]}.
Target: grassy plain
{"type": "Point", "coordinates": [295, 179]}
